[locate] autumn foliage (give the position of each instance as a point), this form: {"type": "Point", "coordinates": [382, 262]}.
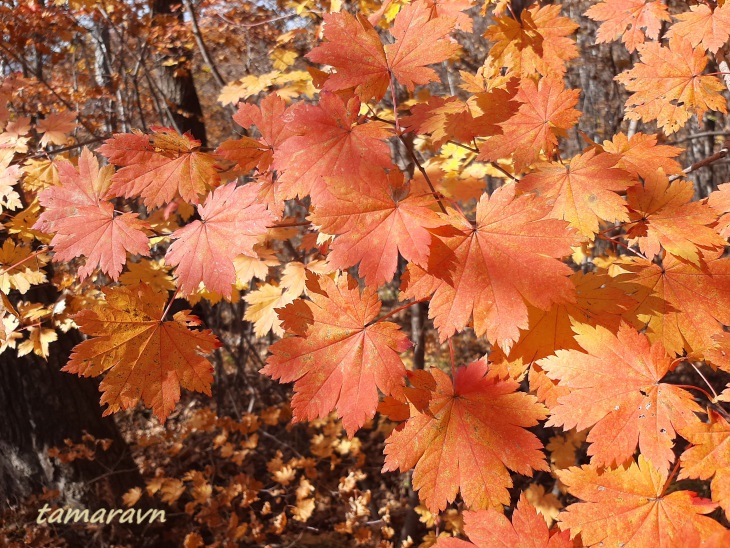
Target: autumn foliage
{"type": "Point", "coordinates": [596, 278]}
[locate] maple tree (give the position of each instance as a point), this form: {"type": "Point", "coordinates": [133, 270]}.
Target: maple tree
{"type": "Point", "coordinates": [370, 187]}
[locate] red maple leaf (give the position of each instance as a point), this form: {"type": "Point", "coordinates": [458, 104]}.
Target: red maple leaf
{"type": "Point", "coordinates": [490, 528]}
{"type": "Point", "coordinates": [546, 112]}
{"type": "Point", "coordinates": [85, 222]}
{"type": "Point", "coordinates": [159, 167]}
{"type": "Point", "coordinates": [616, 388]}
{"type": "Point", "coordinates": [328, 143]}
{"type": "Point", "coordinates": [231, 223]}
{"type": "Point", "coordinates": [467, 436]}
{"type": "Point", "coordinates": [492, 269]}
{"type": "Point", "coordinates": [375, 219]}
{"type": "Point", "coordinates": [353, 47]}
{"type": "Point", "coordinates": [343, 357]}
{"type": "Point", "coordinates": [268, 117]}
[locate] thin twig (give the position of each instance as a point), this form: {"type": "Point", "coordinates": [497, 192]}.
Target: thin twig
{"type": "Point", "coordinates": [201, 44]}
{"type": "Point", "coordinates": [423, 172]}
{"type": "Point", "coordinates": [719, 155]}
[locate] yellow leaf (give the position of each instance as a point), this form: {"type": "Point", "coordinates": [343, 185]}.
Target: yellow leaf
{"type": "Point", "coordinates": [37, 342]}
{"type": "Point", "coordinates": [546, 504]}
{"type": "Point", "coordinates": [154, 273]}
{"type": "Point", "coordinates": [18, 269]}
{"type": "Point", "coordinates": [262, 305]}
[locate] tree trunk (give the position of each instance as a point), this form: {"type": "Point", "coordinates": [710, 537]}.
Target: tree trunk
{"type": "Point", "coordinates": [40, 407]}
{"type": "Point", "coordinates": [176, 79]}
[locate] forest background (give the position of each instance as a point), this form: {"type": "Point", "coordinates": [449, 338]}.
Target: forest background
{"type": "Point", "coordinates": [599, 126]}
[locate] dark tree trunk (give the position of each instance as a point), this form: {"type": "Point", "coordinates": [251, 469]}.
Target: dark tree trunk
{"type": "Point", "coordinates": [40, 407]}
{"type": "Point", "coordinates": [175, 79]}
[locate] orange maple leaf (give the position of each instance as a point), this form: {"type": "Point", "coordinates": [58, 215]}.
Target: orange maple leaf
{"type": "Point", "coordinates": [343, 358]}
{"type": "Point", "coordinates": [626, 18]}
{"type": "Point", "coordinates": [470, 432]}
{"type": "Point", "coordinates": [490, 270]}
{"type": "Point", "coordinates": [268, 117]}
{"type": "Point", "coordinates": [628, 507]}
{"type": "Point", "coordinates": [537, 42]}
{"type": "Point", "coordinates": [719, 200]}
{"type": "Point", "coordinates": [703, 25]}
{"type": "Point", "coordinates": [663, 215]}
{"type": "Point", "coordinates": [582, 192]}
{"type": "Point", "coordinates": [328, 143]}
{"type": "Point", "coordinates": [375, 223]}
{"type": "Point", "coordinates": [231, 223]}
{"type": "Point", "coordinates": [159, 167]}
{"type": "Point", "coordinates": [85, 222]}
{"type": "Point", "coordinates": [599, 301]}
{"type": "Point", "coordinates": [545, 113]}
{"type": "Point", "coordinates": [641, 156]}
{"type": "Point", "coordinates": [147, 357]}
{"type": "Point", "coordinates": [709, 457]}
{"type": "Point", "coordinates": [450, 118]}
{"type": "Point", "coordinates": [615, 388]}
{"type": "Point", "coordinates": [669, 86]}
{"type": "Point", "coordinates": [489, 528]}
{"type": "Point", "coordinates": [681, 305]}
{"type": "Point", "coordinates": [353, 47]}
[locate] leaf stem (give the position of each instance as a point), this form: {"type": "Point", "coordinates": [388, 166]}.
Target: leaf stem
{"type": "Point", "coordinates": [670, 477]}
{"type": "Point", "coordinates": [6, 269]}
{"type": "Point", "coordinates": [703, 378]}
{"type": "Point", "coordinates": [425, 175]}
{"type": "Point", "coordinates": [167, 308]}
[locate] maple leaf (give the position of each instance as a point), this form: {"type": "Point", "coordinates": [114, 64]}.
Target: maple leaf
{"type": "Point", "coordinates": [681, 305]}
{"type": "Point", "coordinates": [343, 358]}
{"type": "Point", "coordinates": [375, 223]}
{"type": "Point", "coordinates": [37, 342]}
{"type": "Point", "coordinates": [489, 528]}
{"type": "Point", "coordinates": [669, 87]}
{"type": "Point", "coordinates": [629, 507]}
{"type": "Point", "coordinates": [231, 223]}
{"type": "Point", "coordinates": [719, 200]}
{"type": "Point", "coordinates": [703, 25]}
{"type": "Point", "coordinates": [582, 192]}
{"type": "Point", "coordinates": [146, 357]}
{"type": "Point", "coordinates": [492, 269]}
{"type": "Point", "coordinates": [470, 433]}
{"type": "Point", "coordinates": [449, 118]}
{"type": "Point", "coordinates": [159, 167]}
{"type": "Point", "coordinates": [262, 305]}
{"type": "Point", "coordinates": [328, 143]}
{"type": "Point", "coordinates": [709, 457]}
{"type": "Point", "coordinates": [545, 113]}
{"type": "Point", "coordinates": [664, 215]}
{"type": "Point", "coordinates": [268, 117]}
{"type": "Point", "coordinates": [626, 19]}
{"type": "Point", "coordinates": [599, 301]}
{"type": "Point", "coordinates": [353, 47]}
{"type": "Point", "coordinates": [55, 127]}
{"type": "Point", "coordinates": [20, 268]}
{"type": "Point", "coordinates": [9, 175]}
{"type": "Point", "coordinates": [537, 42]}
{"type": "Point", "coordinates": [641, 156]}
{"type": "Point", "coordinates": [85, 222]}
{"type": "Point", "coordinates": [615, 388]}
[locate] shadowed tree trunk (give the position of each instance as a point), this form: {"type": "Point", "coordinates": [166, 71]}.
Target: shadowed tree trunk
{"type": "Point", "coordinates": [40, 407]}
{"type": "Point", "coordinates": [175, 79]}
